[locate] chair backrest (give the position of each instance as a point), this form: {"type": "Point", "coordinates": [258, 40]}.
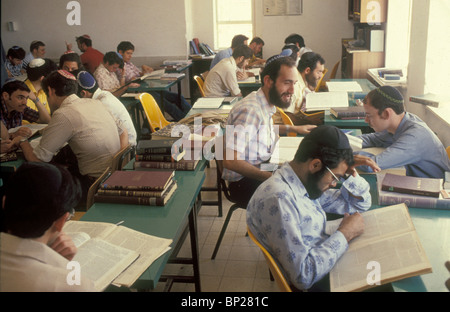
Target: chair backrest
{"type": "Point", "coordinates": [199, 81]}
{"type": "Point", "coordinates": [334, 70]}
{"type": "Point", "coordinates": [121, 158]}
{"type": "Point", "coordinates": [448, 151]}
{"type": "Point", "coordinates": [286, 120]}
{"type": "Point", "coordinates": [94, 187]}
{"type": "Point", "coordinates": [219, 170]}
{"type": "Point", "coordinates": [273, 266]}
{"type": "Point", "coordinates": [319, 84]}
{"type": "Point", "coordinates": [153, 113]}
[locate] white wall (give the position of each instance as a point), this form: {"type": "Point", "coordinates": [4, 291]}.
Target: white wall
{"type": "Point", "coordinates": [156, 28]}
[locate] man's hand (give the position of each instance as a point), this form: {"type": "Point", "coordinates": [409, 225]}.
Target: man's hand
{"type": "Point", "coordinates": [352, 226]}
{"type": "Point", "coordinates": [147, 69]}
{"type": "Point", "coordinates": [64, 245]}
{"type": "Point", "coordinates": [22, 132]}
{"type": "Point", "coordinates": [303, 129]}
{"type": "Point", "coordinates": [361, 160]}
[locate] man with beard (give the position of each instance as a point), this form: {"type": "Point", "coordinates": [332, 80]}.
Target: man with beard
{"type": "Point", "coordinates": [250, 133]}
{"type": "Point", "coordinates": [310, 68]}
{"type": "Point", "coordinates": [222, 79]}
{"type": "Point", "coordinates": [287, 213]}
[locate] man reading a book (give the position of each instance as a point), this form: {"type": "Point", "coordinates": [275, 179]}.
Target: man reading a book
{"type": "Point", "coordinates": [82, 132]}
{"type": "Point", "coordinates": [409, 142]}
{"type": "Point", "coordinates": [245, 154]}
{"type": "Point", "coordinates": [34, 252]}
{"type": "Point", "coordinates": [310, 71]}
{"type": "Point", "coordinates": [287, 212]}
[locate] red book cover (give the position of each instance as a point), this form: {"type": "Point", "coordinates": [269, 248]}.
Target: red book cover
{"type": "Point", "coordinates": [138, 180]}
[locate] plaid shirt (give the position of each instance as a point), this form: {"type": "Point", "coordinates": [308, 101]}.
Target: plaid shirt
{"type": "Point", "coordinates": [14, 119]}
{"type": "Point", "coordinates": [250, 132]}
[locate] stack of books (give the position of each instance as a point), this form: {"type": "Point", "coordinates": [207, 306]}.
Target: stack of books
{"type": "Point", "coordinates": [137, 187]}
{"type": "Point", "coordinates": [351, 112]}
{"type": "Point", "coordinates": [413, 191]}
{"type": "Point", "coordinates": [164, 153]}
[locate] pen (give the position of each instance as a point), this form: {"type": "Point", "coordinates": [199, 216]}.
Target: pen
{"type": "Point", "coordinates": [119, 223]}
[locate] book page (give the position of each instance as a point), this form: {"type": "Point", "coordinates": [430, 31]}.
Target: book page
{"type": "Point", "coordinates": [78, 238]}
{"type": "Point", "coordinates": [398, 257]}
{"type": "Point", "coordinates": [149, 247]}
{"type": "Point", "coordinates": [93, 229]}
{"type": "Point", "coordinates": [347, 86]}
{"type": "Point", "coordinates": [325, 100]}
{"type": "Point", "coordinates": [102, 262]}
{"type": "Point", "coordinates": [209, 102]}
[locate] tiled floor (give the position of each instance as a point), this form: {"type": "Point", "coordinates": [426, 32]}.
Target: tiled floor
{"type": "Point", "coordinates": [239, 265]}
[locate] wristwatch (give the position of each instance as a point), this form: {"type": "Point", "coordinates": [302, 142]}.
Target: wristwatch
{"type": "Point", "coordinates": [23, 140]}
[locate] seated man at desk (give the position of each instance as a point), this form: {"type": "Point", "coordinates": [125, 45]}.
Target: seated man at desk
{"type": "Point", "coordinates": [88, 88]}
{"type": "Point", "coordinates": [175, 107]}
{"type": "Point", "coordinates": [227, 53]}
{"type": "Point", "coordinates": [243, 156]}
{"type": "Point", "coordinates": [310, 69]}
{"type": "Point", "coordinates": [256, 45]}
{"type": "Point", "coordinates": [299, 42]}
{"type": "Point", "coordinates": [91, 58]}
{"type": "Point", "coordinates": [71, 62]}
{"type": "Point", "coordinates": [222, 79]}
{"type": "Point", "coordinates": [106, 77]}
{"type": "Point", "coordinates": [91, 132]}
{"type": "Point", "coordinates": [36, 71]}
{"type": "Point", "coordinates": [295, 200]}
{"type": "Point", "coordinates": [409, 142]}
{"type": "Point", "coordinates": [34, 252]}
{"type": "Point", "coordinates": [14, 108]}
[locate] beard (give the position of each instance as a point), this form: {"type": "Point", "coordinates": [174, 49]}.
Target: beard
{"type": "Point", "coordinates": [276, 98]}
{"type": "Point", "coordinates": [312, 82]}
{"type": "Point", "coordinates": [312, 184]}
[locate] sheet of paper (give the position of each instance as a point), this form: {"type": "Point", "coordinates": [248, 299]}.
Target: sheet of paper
{"type": "Point", "coordinates": [326, 100]}
{"type": "Point", "coordinates": [346, 86]}
{"type": "Point", "coordinates": [209, 102]}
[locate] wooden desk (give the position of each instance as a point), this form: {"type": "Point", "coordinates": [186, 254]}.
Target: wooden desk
{"type": "Point", "coordinates": [433, 229]}
{"type": "Point", "coordinates": [169, 221]}
{"type": "Point", "coordinates": [249, 87]}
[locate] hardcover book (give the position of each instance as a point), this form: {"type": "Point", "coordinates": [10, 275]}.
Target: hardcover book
{"type": "Point", "coordinates": [138, 180]}
{"type": "Point", "coordinates": [351, 112]}
{"type": "Point", "coordinates": [162, 146]}
{"type": "Point", "coordinates": [412, 185]}
{"type": "Point", "coordinates": [184, 165]}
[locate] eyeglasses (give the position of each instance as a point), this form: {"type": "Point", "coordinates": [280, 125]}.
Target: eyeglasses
{"type": "Point", "coordinates": [336, 179]}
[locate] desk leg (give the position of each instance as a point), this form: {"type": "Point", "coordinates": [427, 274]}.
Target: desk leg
{"type": "Point", "coordinates": [194, 246]}
{"type": "Point", "coordinates": [161, 94]}
{"type": "Point", "coordinates": [179, 93]}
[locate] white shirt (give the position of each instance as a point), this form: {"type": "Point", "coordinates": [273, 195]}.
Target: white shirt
{"type": "Point", "coordinates": [119, 111]}
{"type": "Point", "coordinates": [222, 80]}
{"type": "Point", "coordinates": [28, 265]}
{"type": "Point", "coordinates": [90, 130]}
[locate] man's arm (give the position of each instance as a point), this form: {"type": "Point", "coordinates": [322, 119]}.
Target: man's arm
{"type": "Point", "coordinates": [285, 129]}
{"type": "Point", "coordinates": [27, 150]}
{"type": "Point", "coordinates": [44, 116]}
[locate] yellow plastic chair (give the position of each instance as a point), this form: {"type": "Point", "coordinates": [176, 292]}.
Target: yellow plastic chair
{"type": "Point", "coordinates": [153, 113]}
{"type": "Point", "coordinates": [334, 70]}
{"type": "Point", "coordinates": [321, 83]}
{"type": "Point", "coordinates": [200, 84]}
{"type": "Point", "coordinates": [448, 151]}
{"type": "Point", "coordinates": [287, 121]}
{"type": "Point", "coordinates": [273, 266]}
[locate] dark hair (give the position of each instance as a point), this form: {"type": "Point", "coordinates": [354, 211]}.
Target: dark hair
{"type": "Point", "coordinates": [310, 59]}
{"type": "Point", "coordinates": [86, 41]}
{"type": "Point", "coordinates": [62, 85]}
{"type": "Point", "coordinates": [272, 68]}
{"type": "Point", "coordinates": [34, 73]}
{"type": "Point", "coordinates": [386, 97]}
{"type": "Point", "coordinates": [330, 157]}
{"type": "Point", "coordinates": [238, 40]}
{"type": "Point", "coordinates": [257, 40]}
{"type": "Point", "coordinates": [295, 38]}
{"type": "Point", "coordinates": [35, 45]}
{"type": "Point", "coordinates": [32, 206]}
{"type": "Point", "coordinates": [125, 46]}
{"type": "Point", "coordinates": [13, 85]}
{"type": "Point", "coordinates": [242, 50]}
{"type": "Point", "coordinates": [16, 52]}
{"type": "Point", "coordinates": [112, 58]}
{"type": "Point", "coordinates": [70, 57]}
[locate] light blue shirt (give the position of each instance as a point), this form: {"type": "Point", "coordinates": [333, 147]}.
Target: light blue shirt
{"type": "Point", "coordinates": [413, 146]}
{"type": "Point", "coordinates": [223, 54]}
{"type": "Point", "coordinates": [291, 226]}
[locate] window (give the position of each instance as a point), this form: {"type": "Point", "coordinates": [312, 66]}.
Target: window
{"type": "Point", "coordinates": [233, 17]}
{"type": "Point", "coordinates": [437, 75]}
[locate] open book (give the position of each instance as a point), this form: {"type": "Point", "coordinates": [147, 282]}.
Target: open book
{"type": "Point", "coordinates": [109, 253]}
{"type": "Point", "coordinates": [390, 240]}
{"type": "Point", "coordinates": [285, 150]}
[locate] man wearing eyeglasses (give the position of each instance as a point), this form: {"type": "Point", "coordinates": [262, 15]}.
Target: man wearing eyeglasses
{"type": "Point", "coordinates": [287, 213]}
